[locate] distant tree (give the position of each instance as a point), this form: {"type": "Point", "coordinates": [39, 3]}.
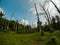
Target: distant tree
{"type": "Point", "coordinates": [58, 21]}
{"type": "Point", "coordinates": [1, 14]}
{"type": "Point", "coordinates": [17, 26]}
{"type": "Point", "coordinates": [12, 25]}
{"type": "Point", "coordinates": [5, 24]}
{"type": "Point", "coordinates": [28, 27]}
{"type": "Point", "coordinates": [1, 24]}
{"type": "Point", "coordinates": [45, 27]}
{"type": "Point", "coordinates": [53, 23]}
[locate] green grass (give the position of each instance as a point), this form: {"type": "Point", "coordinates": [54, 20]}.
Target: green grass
{"type": "Point", "coordinates": [12, 38]}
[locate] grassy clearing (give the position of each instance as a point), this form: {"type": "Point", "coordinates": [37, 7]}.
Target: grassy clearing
{"type": "Point", "coordinates": [12, 38]}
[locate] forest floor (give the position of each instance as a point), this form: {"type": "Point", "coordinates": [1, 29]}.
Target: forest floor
{"type": "Point", "coordinates": [11, 38]}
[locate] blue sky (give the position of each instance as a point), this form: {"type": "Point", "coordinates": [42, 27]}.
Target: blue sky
{"type": "Point", "coordinates": [24, 9]}
{"type": "Point", "coordinates": [19, 9]}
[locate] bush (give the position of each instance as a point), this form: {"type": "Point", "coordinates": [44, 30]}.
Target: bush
{"type": "Point", "coordinates": [5, 31]}
{"type": "Point", "coordinates": [52, 42]}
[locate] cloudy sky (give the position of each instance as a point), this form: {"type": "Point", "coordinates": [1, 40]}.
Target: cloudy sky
{"type": "Point", "coordinates": [24, 9]}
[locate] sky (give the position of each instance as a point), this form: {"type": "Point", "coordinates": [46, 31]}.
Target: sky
{"type": "Point", "coordinates": [19, 8]}
{"type": "Point", "coordinates": [23, 10]}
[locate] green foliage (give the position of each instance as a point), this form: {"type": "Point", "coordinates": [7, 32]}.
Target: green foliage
{"type": "Point", "coordinates": [7, 31]}
{"type": "Point", "coordinates": [12, 38]}
{"type": "Point", "coordinates": [52, 42]}
{"type": "Point", "coordinates": [12, 25]}
{"type": "Point", "coordinates": [1, 14]}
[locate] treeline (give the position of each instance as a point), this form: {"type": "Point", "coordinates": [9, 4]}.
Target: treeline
{"type": "Point", "coordinates": [11, 25]}
{"type": "Point", "coordinates": [55, 24]}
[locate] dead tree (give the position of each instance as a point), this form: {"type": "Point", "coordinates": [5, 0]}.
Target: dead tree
{"type": "Point", "coordinates": [1, 14]}
{"type": "Point", "coordinates": [17, 26]}
{"type": "Point", "coordinates": [24, 23]}
{"type": "Point", "coordinates": [47, 16]}
{"type": "Point", "coordinates": [38, 21]}
{"type": "Point", "coordinates": [55, 6]}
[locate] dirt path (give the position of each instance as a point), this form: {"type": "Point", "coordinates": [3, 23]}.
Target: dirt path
{"type": "Point", "coordinates": [39, 43]}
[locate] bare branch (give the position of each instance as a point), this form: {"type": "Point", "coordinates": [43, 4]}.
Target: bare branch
{"type": "Point", "coordinates": [55, 6]}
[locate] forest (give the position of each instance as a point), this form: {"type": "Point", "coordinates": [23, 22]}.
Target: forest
{"type": "Point", "coordinates": [14, 33]}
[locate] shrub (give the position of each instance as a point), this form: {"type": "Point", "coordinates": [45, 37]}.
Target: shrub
{"type": "Point", "coordinates": [52, 42]}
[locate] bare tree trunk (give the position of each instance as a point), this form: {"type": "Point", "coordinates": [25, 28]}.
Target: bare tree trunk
{"type": "Point", "coordinates": [55, 6]}
{"type": "Point", "coordinates": [38, 22]}
{"type": "Point", "coordinates": [49, 20]}
{"type": "Point", "coordinates": [17, 26]}
{"type": "Point", "coordinates": [47, 16]}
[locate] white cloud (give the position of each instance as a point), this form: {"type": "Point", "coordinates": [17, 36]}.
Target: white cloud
{"type": "Point", "coordinates": [34, 11]}
{"type": "Point", "coordinates": [30, 1]}
{"type": "Point", "coordinates": [57, 3]}
{"type": "Point", "coordinates": [34, 25]}
{"type": "Point", "coordinates": [51, 6]}
{"type": "Point", "coordinates": [52, 9]}
{"type": "Point", "coordinates": [12, 18]}
{"type": "Point", "coordinates": [33, 1]}
{"type": "Point", "coordinates": [24, 22]}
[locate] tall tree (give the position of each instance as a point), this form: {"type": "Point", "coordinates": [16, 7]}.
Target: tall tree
{"type": "Point", "coordinates": [55, 6]}
{"type": "Point", "coordinates": [1, 14]}
{"type": "Point", "coordinates": [53, 23]}
{"type": "Point", "coordinates": [17, 25]}
{"type": "Point", "coordinates": [47, 15]}
{"type": "Point", "coordinates": [38, 21]}
{"type": "Point", "coordinates": [58, 21]}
